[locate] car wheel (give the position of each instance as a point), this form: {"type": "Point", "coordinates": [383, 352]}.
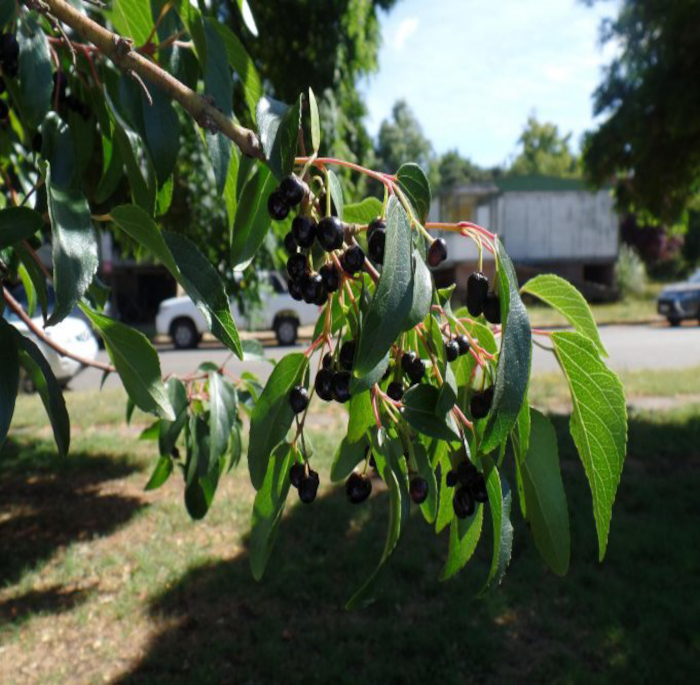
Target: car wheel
{"type": "Point", "coordinates": [286, 331]}
{"type": "Point", "coordinates": [674, 321]}
{"type": "Point", "coordinates": [184, 334]}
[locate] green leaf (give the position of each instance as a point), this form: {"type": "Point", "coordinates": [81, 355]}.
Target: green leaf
{"type": "Point", "coordinates": [7, 12]}
{"type": "Point", "coordinates": [142, 193]}
{"type": "Point", "coordinates": [361, 415]}
{"type": "Point", "coordinates": [241, 62]}
{"type": "Point", "coordinates": [521, 433]}
{"type": "Point", "coordinates": [272, 415]}
{"type": "Point", "coordinates": [360, 385]}
{"type": "Point", "coordinates": [219, 86]}
{"type": "Point", "coordinates": [420, 405]}
{"type": "Point", "coordinates": [170, 430]}
{"type": "Point", "coordinates": [58, 149]}
{"type": "Point", "coordinates": [278, 126]}
{"type": "Point", "coordinates": [513, 370]}
{"type": "Point", "coordinates": [415, 185]}
{"type": "Point", "coordinates": [18, 223]}
{"type": "Point", "coordinates": [268, 508]}
{"type": "Point", "coordinates": [464, 537]}
{"type": "Point", "coordinates": [132, 19]}
{"type": "Point", "coordinates": [336, 193]}
{"type": "Point", "coordinates": [223, 408]}
{"type": "Point", "coordinates": [499, 502]}
{"type": "Point", "coordinates": [545, 497]}
{"type": "Point", "coordinates": [35, 71]}
{"type": "Point", "coordinates": [445, 512]}
{"type": "Point", "coordinates": [9, 378]}
{"type": "Point", "coordinates": [36, 275]}
{"type": "Point", "coordinates": [315, 122]}
{"type": "Point", "coordinates": [252, 220]}
{"type": "Point", "coordinates": [347, 456]}
{"type": "Point", "coordinates": [75, 259]}
{"type": "Point", "coordinates": [424, 468]}
{"type": "Point", "coordinates": [247, 16]}
{"type": "Point", "coordinates": [598, 423]}
{"type": "Point", "coordinates": [363, 212]}
{"type": "Point", "coordinates": [49, 390]}
{"type": "Point", "coordinates": [161, 473]}
{"type": "Point", "coordinates": [422, 292]}
{"type": "Point", "coordinates": [136, 363]}
{"type": "Point", "coordinates": [230, 195]}
{"type": "Point", "coordinates": [562, 296]}
{"type": "Point", "coordinates": [202, 475]}
{"type": "Point", "coordinates": [393, 297]}
{"type": "Point", "coordinates": [161, 132]}
{"type": "Point", "coordinates": [206, 289]}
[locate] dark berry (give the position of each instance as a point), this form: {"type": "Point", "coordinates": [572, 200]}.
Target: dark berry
{"type": "Point", "coordinates": [407, 360]}
{"type": "Point", "coordinates": [341, 386]}
{"type": "Point", "coordinates": [437, 253]}
{"type": "Point", "coordinates": [375, 225]}
{"type": "Point", "coordinates": [293, 190]}
{"type": "Point", "coordinates": [463, 502]}
{"type": "Point", "coordinates": [296, 473]}
{"type": "Point", "coordinates": [277, 206]}
{"type": "Point", "coordinates": [304, 231]}
{"type": "Point", "coordinates": [328, 361]}
{"type": "Point", "coordinates": [324, 384]}
{"type": "Point", "coordinates": [395, 391]}
{"type": "Point", "coordinates": [451, 479]}
{"type": "Point", "coordinates": [329, 233]}
{"type": "Point", "coordinates": [353, 259]}
{"type": "Point", "coordinates": [299, 399]}
{"type": "Point", "coordinates": [290, 244]}
{"type": "Point", "coordinates": [467, 473]}
{"type": "Point", "coordinates": [417, 371]}
{"type": "Point", "coordinates": [358, 487]}
{"type": "Point", "coordinates": [312, 287]}
{"type": "Point", "coordinates": [330, 276]}
{"type": "Point", "coordinates": [308, 487]}
{"type": "Point", "coordinates": [418, 489]}
{"type": "Point", "coordinates": [492, 308]}
{"type": "Point", "coordinates": [347, 355]}
{"type": "Point", "coordinates": [9, 48]}
{"type": "Point", "coordinates": [37, 142]}
{"type": "Point", "coordinates": [388, 372]}
{"type": "Point", "coordinates": [463, 344]}
{"type": "Point", "coordinates": [477, 290]}
{"type": "Point", "coordinates": [451, 350]}
{"type": "Point", "coordinates": [376, 246]}
{"type": "Point", "coordinates": [322, 296]}
{"type": "Point", "coordinates": [4, 110]}
{"type": "Point", "coordinates": [479, 489]}
{"type": "Point", "coordinates": [297, 267]}
{"type": "Point", "coordinates": [480, 403]}
{"type": "Point", "coordinates": [295, 290]}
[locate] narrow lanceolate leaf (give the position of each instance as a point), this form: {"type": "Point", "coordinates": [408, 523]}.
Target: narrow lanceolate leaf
{"type": "Point", "coordinates": [464, 537]}
{"type": "Point", "coordinates": [170, 430]}
{"type": "Point", "coordinates": [18, 223]}
{"type": "Point", "coordinates": [361, 415]}
{"type": "Point", "coordinates": [132, 18]}
{"type": "Point", "coordinates": [74, 241]}
{"type": "Point", "coordinates": [161, 473]}
{"type": "Point", "coordinates": [222, 413]}
{"type": "Point", "coordinates": [347, 456]}
{"type": "Point", "coordinates": [446, 511]}
{"type": "Point", "coordinates": [9, 378]}
{"type": "Point", "coordinates": [38, 369]}
{"type": "Point", "coordinates": [136, 363]}
{"type": "Point", "coordinates": [598, 423]}
{"type": "Point", "coordinates": [278, 125]}
{"type": "Point", "coordinates": [499, 504]}
{"type": "Point", "coordinates": [422, 292]}
{"type": "Point", "coordinates": [268, 507]}
{"type": "Point", "coordinates": [336, 194]}
{"type": "Point", "coordinates": [37, 277]}
{"type": "Point", "coordinates": [219, 86]}
{"type": "Point", "coordinates": [202, 474]}
{"type": "Point", "coordinates": [569, 302]}
{"type": "Point", "coordinates": [247, 16]}
{"type": "Point", "coordinates": [393, 297]}
{"type": "Point", "coordinates": [545, 497]}
{"type": "Point", "coordinates": [513, 370]}
{"type": "Point", "coordinates": [363, 212]}
{"type": "Point", "coordinates": [35, 71]}
{"type": "Point", "coordinates": [420, 409]}
{"type": "Point", "coordinates": [161, 132]}
{"type": "Point", "coordinates": [272, 416]}
{"type": "Point", "coordinates": [206, 289]}
{"type": "Point", "coordinates": [315, 122]}
{"type": "Point", "coordinates": [415, 185]}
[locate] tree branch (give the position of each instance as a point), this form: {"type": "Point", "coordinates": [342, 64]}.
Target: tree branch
{"type": "Point", "coordinates": [119, 51]}
{"type": "Point", "coordinates": [17, 308]}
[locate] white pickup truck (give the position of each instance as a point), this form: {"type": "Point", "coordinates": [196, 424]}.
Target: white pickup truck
{"type": "Point", "coordinates": [180, 319]}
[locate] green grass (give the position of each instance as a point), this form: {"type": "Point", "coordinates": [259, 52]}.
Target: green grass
{"type": "Point", "coordinates": [115, 583]}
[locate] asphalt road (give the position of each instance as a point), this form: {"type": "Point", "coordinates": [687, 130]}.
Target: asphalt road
{"type": "Point", "coordinates": [654, 346]}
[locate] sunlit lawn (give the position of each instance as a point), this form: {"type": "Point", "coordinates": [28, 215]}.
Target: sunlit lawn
{"type": "Point", "coordinates": [100, 580]}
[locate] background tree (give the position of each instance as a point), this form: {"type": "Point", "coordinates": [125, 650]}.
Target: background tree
{"type": "Point", "coordinates": [543, 150]}
{"type": "Point", "coordinates": [401, 139]}
{"type": "Point", "coordinates": [651, 100]}
{"type": "Point", "coordinates": [453, 170]}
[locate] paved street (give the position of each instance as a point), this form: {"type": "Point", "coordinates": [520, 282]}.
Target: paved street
{"type": "Point", "coordinates": [630, 348]}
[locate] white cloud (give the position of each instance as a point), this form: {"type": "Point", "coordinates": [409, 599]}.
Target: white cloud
{"type": "Point", "coordinates": [404, 31]}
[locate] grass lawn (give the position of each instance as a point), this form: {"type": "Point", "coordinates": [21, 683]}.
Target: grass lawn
{"type": "Point", "coordinates": [100, 580]}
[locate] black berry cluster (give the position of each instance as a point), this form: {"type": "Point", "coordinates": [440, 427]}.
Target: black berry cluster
{"type": "Point", "coordinates": [71, 101]}
{"type": "Point", "coordinates": [305, 480]}
{"type": "Point", "coordinates": [290, 192]}
{"type": "Point", "coordinates": [480, 300]}
{"type": "Point", "coordinates": [456, 347]}
{"type": "Point", "coordinates": [470, 488]}
{"type": "Point", "coordinates": [333, 380]}
{"type": "Point", "coordinates": [9, 54]}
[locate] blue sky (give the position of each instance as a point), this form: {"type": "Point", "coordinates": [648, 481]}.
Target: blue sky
{"type": "Point", "coordinates": [473, 70]}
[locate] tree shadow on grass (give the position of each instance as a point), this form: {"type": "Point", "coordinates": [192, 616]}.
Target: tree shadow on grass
{"type": "Point", "coordinates": [47, 503]}
{"type": "Point", "coordinates": [633, 618]}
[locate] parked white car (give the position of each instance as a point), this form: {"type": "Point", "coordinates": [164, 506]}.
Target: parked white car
{"type": "Point", "coordinates": [179, 318]}
{"type": "Point", "coordinates": [73, 334]}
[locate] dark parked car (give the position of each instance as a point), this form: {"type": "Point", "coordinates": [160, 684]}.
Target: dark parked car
{"type": "Point", "coordinates": [681, 300]}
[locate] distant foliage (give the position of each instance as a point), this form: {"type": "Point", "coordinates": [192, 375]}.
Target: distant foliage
{"type": "Point", "coordinates": [630, 272]}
